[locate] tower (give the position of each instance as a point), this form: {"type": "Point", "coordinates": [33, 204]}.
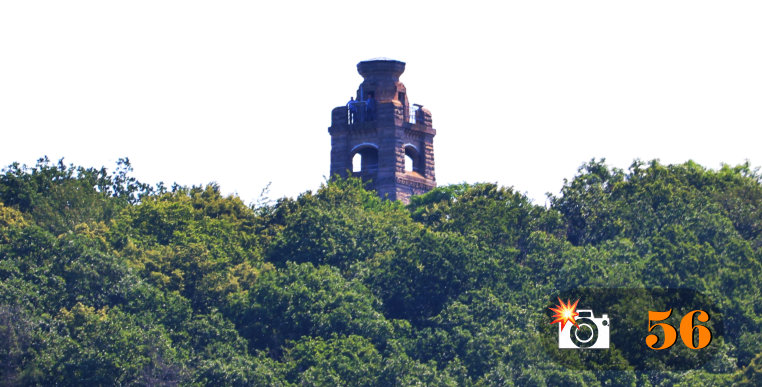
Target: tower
{"type": "Point", "coordinates": [382, 129]}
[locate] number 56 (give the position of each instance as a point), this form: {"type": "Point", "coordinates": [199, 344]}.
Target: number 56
{"type": "Point", "coordinates": [686, 330]}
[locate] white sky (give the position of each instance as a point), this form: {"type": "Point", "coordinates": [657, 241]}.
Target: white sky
{"type": "Point", "coordinates": [241, 93]}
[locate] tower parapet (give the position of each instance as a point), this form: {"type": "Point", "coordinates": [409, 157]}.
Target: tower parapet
{"type": "Point", "coordinates": [382, 129]}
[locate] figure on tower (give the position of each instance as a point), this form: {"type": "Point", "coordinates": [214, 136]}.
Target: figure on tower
{"type": "Point", "coordinates": [352, 109]}
{"type": "Point", "coordinates": [380, 138]}
{"type": "Point", "coordinates": [370, 108]}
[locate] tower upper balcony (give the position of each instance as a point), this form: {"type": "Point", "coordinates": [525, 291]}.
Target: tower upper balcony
{"type": "Point", "coordinates": [381, 100]}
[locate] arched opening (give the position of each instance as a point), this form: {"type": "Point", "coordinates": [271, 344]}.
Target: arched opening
{"type": "Point", "coordinates": [413, 162]}
{"type": "Point", "coordinates": [356, 163]}
{"type": "Point", "coordinates": [365, 160]}
{"type": "Point", "coordinates": [408, 163]}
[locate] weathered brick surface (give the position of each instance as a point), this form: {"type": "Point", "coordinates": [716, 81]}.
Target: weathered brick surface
{"type": "Point", "coordinates": [384, 136]}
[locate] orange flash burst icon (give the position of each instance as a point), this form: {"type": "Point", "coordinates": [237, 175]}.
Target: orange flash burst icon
{"type": "Point", "coordinates": [565, 313]}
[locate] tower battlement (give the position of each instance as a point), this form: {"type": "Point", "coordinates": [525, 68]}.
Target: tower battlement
{"type": "Point", "coordinates": [382, 129]}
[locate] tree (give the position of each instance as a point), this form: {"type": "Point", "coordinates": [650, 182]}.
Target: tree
{"type": "Point", "coordinates": [339, 225]}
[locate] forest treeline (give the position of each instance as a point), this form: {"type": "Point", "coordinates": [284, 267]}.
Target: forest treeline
{"type": "Point", "coordinates": [105, 280]}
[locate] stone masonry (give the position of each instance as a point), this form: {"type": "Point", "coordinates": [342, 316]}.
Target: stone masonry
{"type": "Point", "coordinates": [383, 129]}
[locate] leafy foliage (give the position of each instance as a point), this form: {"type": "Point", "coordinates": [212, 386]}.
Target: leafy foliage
{"type": "Point", "coordinates": [105, 280]}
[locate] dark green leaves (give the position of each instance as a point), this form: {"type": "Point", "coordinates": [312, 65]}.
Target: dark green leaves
{"type": "Point", "coordinates": [104, 280]}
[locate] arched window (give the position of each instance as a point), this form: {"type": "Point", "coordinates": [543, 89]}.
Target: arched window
{"type": "Point", "coordinates": [365, 159]}
{"type": "Point", "coordinates": [357, 162]}
{"type": "Point", "coordinates": [413, 162]}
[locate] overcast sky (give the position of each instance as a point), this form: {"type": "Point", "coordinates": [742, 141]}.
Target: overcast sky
{"type": "Point", "coordinates": [240, 92]}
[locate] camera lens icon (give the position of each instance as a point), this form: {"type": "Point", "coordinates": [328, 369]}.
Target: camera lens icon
{"type": "Point", "coordinates": [593, 332]}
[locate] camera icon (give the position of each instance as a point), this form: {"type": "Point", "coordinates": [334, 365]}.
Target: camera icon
{"type": "Point", "coordinates": [593, 332]}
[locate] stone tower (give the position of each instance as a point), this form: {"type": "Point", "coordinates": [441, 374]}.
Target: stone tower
{"type": "Point", "coordinates": [392, 139]}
